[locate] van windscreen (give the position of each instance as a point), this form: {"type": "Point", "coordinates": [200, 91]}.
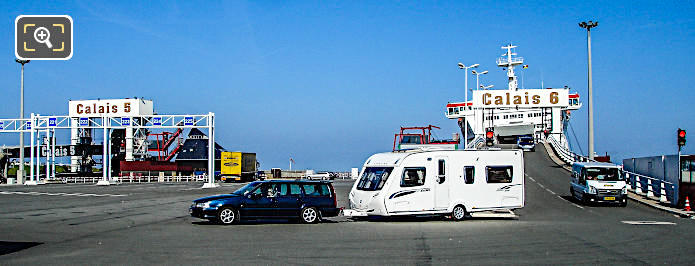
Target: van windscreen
{"type": "Point", "coordinates": [602, 174]}
{"type": "Point", "coordinates": [374, 178]}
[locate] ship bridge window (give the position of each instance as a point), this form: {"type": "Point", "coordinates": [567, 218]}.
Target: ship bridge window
{"type": "Point", "coordinates": [411, 140]}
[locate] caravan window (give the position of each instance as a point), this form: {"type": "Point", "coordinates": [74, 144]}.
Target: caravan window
{"type": "Point", "coordinates": [374, 178]}
{"type": "Point", "coordinates": [499, 174]}
{"type": "Point", "coordinates": [413, 177]}
{"type": "Point", "coordinates": [468, 174]}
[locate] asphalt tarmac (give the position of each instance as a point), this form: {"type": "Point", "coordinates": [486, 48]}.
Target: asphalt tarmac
{"type": "Point", "coordinates": [149, 224]}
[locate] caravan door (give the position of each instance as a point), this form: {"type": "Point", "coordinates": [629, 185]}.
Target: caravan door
{"type": "Point", "coordinates": [441, 184]}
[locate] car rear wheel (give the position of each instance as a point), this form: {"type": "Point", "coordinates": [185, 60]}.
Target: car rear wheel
{"type": "Point", "coordinates": [309, 215]}
{"type": "Point", "coordinates": [227, 215]}
{"type": "Point", "coordinates": [458, 213]}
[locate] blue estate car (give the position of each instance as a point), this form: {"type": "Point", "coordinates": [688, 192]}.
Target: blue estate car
{"type": "Point", "coordinates": [305, 200]}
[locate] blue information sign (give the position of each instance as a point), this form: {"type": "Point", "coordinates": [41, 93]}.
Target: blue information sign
{"type": "Point", "coordinates": [52, 122]}
{"type": "Point", "coordinates": [28, 124]}
{"type": "Point", "coordinates": [188, 121]}
{"type": "Point", "coordinates": [157, 121]}
{"type": "Point", "coordinates": [125, 121]}
{"type": "Point", "coordinates": [2, 125]}
{"type": "Point", "coordinates": [84, 121]}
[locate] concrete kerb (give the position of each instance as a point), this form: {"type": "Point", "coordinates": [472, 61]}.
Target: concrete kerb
{"type": "Point", "coordinates": [639, 198]}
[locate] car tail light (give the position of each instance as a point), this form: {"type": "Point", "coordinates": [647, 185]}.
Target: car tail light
{"type": "Point", "coordinates": [335, 198]}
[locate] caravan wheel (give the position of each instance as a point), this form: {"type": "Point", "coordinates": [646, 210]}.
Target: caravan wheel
{"type": "Point", "coordinates": [458, 213]}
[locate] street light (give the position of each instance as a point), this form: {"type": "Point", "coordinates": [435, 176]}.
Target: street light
{"type": "Point", "coordinates": [486, 87]}
{"type": "Point", "coordinates": [465, 122]}
{"type": "Point", "coordinates": [588, 26]}
{"type": "Point", "coordinates": [20, 170]}
{"type": "Point", "coordinates": [477, 75]}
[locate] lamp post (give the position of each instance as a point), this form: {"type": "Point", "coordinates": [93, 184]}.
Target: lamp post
{"type": "Point", "coordinates": [477, 77]}
{"type": "Point", "coordinates": [20, 170]}
{"type": "Point", "coordinates": [588, 26]}
{"type": "Point", "coordinates": [465, 122]}
{"type": "Point", "coordinates": [486, 87]}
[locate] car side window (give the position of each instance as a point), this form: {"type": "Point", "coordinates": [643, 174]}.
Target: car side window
{"type": "Point", "coordinates": [264, 190]}
{"type": "Point", "coordinates": [324, 190]}
{"type": "Point", "coordinates": [313, 190]}
{"type": "Point", "coordinates": [282, 190]}
{"type": "Point", "coordinates": [309, 190]}
{"type": "Point", "coordinates": [295, 190]}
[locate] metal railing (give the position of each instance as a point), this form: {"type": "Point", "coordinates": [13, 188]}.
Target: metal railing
{"type": "Point", "coordinates": [651, 188]}
{"type": "Point", "coordinates": [134, 179]}
{"type": "Point", "coordinates": [565, 154]}
{"type": "Point", "coordinates": [477, 140]}
{"type": "Point", "coordinates": [505, 60]}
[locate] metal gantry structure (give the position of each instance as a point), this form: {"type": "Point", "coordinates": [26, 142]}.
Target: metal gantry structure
{"type": "Point", "coordinates": [38, 126]}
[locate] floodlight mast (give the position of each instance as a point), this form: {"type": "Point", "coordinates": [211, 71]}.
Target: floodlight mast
{"type": "Point", "coordinates": [477, 77]}
{"type": "Point", "coordinates": [20, 169]}
{"type": "Point", "coordinates": [465, 122]}
{"type": "Point", "coordinates": [588, 26]}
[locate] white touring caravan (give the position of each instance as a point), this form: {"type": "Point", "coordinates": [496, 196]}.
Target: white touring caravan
{"type": "Point", "coordinates": [439, 182]}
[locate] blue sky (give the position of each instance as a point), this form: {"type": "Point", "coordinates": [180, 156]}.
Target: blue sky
{"type": "Point", "coordinates": [329, 83]}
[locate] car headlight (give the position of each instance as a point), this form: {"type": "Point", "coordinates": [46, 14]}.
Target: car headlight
{"type": "Point", "coordinates": [203, 205]}
{"type": "Point", "coordinates": [592, 190]}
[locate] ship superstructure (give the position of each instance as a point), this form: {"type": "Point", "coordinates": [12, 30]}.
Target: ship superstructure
{"type": "Point", "coordinates": [512, 112]}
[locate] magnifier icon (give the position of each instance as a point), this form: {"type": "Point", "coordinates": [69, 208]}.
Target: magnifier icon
{"type": "Point", "coordinates": [42, 35]}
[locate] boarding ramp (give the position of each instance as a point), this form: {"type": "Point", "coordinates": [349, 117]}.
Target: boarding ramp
{"type": "Point", "coordinates": [508, 134]}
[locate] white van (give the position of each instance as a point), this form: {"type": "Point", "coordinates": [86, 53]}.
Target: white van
{"type": "Point", "coordinates": [422, 182]}
{"type": "Point", "coordinates": [593, 182]}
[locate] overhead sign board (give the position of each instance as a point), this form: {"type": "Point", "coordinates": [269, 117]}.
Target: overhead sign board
{"type": "Point", "coordinates": [188, 121]}
{"type": "Point", "coordinates": [84, 121]}
{"type": "Point", "coordinates": [52, 122]}
{"type": "Point", "coordinates": [110, 108]}
{"type": "Point", "coordinates": [125, 121]}
{"type": "Point", "coordinates": [157, 121]}
{"type": "Point", "coordinates": [521, 98]}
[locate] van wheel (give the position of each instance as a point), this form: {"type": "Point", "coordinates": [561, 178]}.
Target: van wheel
{"type": "Point", "coordinates": [227, 215]}
{"type": "Point", "coordinates": [309, 215]}
{"type": "Point", "coordinates": [458, 213]}
{"type": "Point", "coordinates": [585, 200]}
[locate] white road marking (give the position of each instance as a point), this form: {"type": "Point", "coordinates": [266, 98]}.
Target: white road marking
{"type": "Point", "coordinates": [648, 223]}
{"type": "Point", "coordinates": [575, 205]}
{"type": "Point", "coordinates": [551, 192]}
{"type": "Point", "coordinates": [35, 193]}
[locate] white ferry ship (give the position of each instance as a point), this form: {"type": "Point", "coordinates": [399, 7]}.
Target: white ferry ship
{"type": "Point", "coordinates": [513, 112]}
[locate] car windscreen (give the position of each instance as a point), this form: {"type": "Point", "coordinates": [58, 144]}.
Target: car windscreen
{"type": "Point", "coordinates": [247, 187]}
{"type": "Point", "coordinates": [602, 174]}
{"type": "Point", "coordinates": [374, 178]}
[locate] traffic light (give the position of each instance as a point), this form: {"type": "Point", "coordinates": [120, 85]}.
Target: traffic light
{"type": "Point", "coordinates": [489, 138]}
{"type": "Point", "coordinates": [681, 138]}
